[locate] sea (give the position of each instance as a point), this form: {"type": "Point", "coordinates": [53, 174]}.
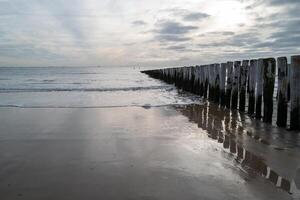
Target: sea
{"type": "Point", "coordinates": [85, 87]}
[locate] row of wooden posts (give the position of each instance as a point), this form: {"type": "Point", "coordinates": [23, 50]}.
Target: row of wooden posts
{"type": "Point", "coordinates": [231, 84]}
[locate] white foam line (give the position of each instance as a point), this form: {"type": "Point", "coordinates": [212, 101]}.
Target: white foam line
{"type": "Point", "coordinates": [120, 106]}
{"type": "Point", "coordinates": [20, 90]}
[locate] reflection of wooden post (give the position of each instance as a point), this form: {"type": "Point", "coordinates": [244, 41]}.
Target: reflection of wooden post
{"type": "Point", "coordinates": [229, 84]}
{"type": "Point", "coordinates": [252, 80]}
{"type": "Point", "coordinates": [217, 83]}
{"type": "Point", "coordinates": [295, 93]}
{"type": "Point", "coordinates": [222, 84]}
{"type": "Point", "coordinates": [268, 91]}
{"type": "Point", "coordinates": [258, 101]}
{"type": "Point", "coordinates": [243, 84]}
{"type": "Point", "coordinates": [235, 85]}
{"type": "Point", "coordinates": [282, 91]}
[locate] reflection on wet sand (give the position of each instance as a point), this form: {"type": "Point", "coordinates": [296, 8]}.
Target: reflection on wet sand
{"type": "Point", "coordinates": [224, 127]}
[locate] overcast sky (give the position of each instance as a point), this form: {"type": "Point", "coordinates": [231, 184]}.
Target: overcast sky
{"type": "Point", "coordinates": [145, 33]}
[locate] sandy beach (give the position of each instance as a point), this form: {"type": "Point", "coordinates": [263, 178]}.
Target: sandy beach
{"type": "Point", "coordinates": [118, 153]}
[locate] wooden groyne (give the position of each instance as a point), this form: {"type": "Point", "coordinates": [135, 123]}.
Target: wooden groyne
{"type": "Point", "coordinates": [244, 85]}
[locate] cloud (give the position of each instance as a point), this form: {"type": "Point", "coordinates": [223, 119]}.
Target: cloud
{"type": "Point", "coordinates": [172, 28]}
{"type": "Point", "coordinates": [282, 3]}
{"type": "Point", "coordinates": [171, 38]}
{"type": "Point", "coordinates": [169, 31]}
{"type": "Point", "coordinates": [139, 23]}
{"type": "Point", "coordinates": [275, 3]}
{"type": "Point", "coordinates": [218, 33]}
{"type": "Point", "coordinates": [95, 32]}
{"type": "Point", "coordinates": [176, 48]}
{"type": "Point", "coordinates": [195, 16]}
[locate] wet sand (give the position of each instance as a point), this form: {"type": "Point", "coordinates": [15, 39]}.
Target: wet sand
{"type": "Point", "coordinates": [127, 153]}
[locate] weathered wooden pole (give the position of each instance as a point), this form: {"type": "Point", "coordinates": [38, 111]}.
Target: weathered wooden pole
{"type": "Point", "coordinates": [211, 82]}
{"type": "Point", "coordinates": [206, 82]}
{"type": "Point", "coordinates": [268, 88]}
{"type": "Point", "coordinates": [229, 83]}
{"type": "Point", "coordinates": [295, 93]}
{"type": "Point", "coordinates": [252, 80]}
{"type": "Point", "coordinates": [235, 85]}
{"type": "Point", "coordinates": [196, 82]}
{"type": "Point", "coordinates": [185, 77]}
{"type": "Point", "coordinates": [222, 83]}
{"type": "Point", "coordinates": [181, 77]}
{"type": "Point", "coordinates": [282, 92]}
{"type": "Point", "coordinates": [201, 81]}
{"type": "Point", "coordinates": [191, 79]}
{"type": "Point", "coordinates": [178, 77]}
{"type": "Point", "coordinates": [243, 84]}
{"type": "Point", "coordinates": [173, 75]}
{"type": "Point", "coordinates": [259, 86]}
{"type": "Point", "coordinates": [217, 83]}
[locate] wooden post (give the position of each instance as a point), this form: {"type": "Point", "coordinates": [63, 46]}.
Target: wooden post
{"type": "Point", "coordinates": [192, 80]}
{"type": "Point", "coordinates": [177, 82]}
{"type": "Point", "coordinates": [206, 81]}
{"type": "Point", "coordinates": [235, 85]}
{"type": "Point", "coordinates": [282, 92]}
{"type": "Point", "coordinates": [222, 84]}
{"type": "Point", "coordinates": [185, 77]}
{"type": "Point", "coordinates": [196, 79]}
{"type": "Point", "coordinates": [243, 84]}
{"type": "Point", "coordinates": [295, 93]}
{"type": "Point", "coordinates": [201, 80]}
{"type": "Point", "coordinates": [181, 69]}
{"type": "Point", "coordinates": [259, 86]}
{"type": "Point", "coordinates": [229, 83]}
{"type": "Point", "coordinates": [173, 75]}
{"type": "Point", "coordinates": [211, 82]}
{"type": "Point", "coordinates": [217, 83]}
{"type": "Point", "coordinates": [268, 91]}
{"type": "Point", "coordinates": [252, 80]}
{"type": "Point", "coordinates": [189, 80]}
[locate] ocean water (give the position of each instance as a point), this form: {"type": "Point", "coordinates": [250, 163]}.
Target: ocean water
{"type": "Point", "coordinates": [65, 87]}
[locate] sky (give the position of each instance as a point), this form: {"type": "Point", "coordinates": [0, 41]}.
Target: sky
{"type": "Point", "coordinates": [148, 33]}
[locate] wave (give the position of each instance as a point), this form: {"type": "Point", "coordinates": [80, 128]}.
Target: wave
{"type": "Point", "coordinates": [24, 90]}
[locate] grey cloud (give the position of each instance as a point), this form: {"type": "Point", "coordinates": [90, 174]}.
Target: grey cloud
{"type": "Point", "coordinates": [244, 40]}
{"type": "Point", "coordinates": [283, 2]}
{"type": "Point", "coordinates": [171, 38]}
{"type": "Point", "coordinates": [168, 31]}
{"type": "Point", "coordinates": [195, 16]}
{"type": "Point", "coordinates": [173, 28]}
{"type": "Point", "coordinates": [287, 36]}
{"type": "Point", "coordinates": [176, 48]}
{"type": "Point", "coordinates": [272, 3]}
{"type": "Point", "coordinates": [139, 23]}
